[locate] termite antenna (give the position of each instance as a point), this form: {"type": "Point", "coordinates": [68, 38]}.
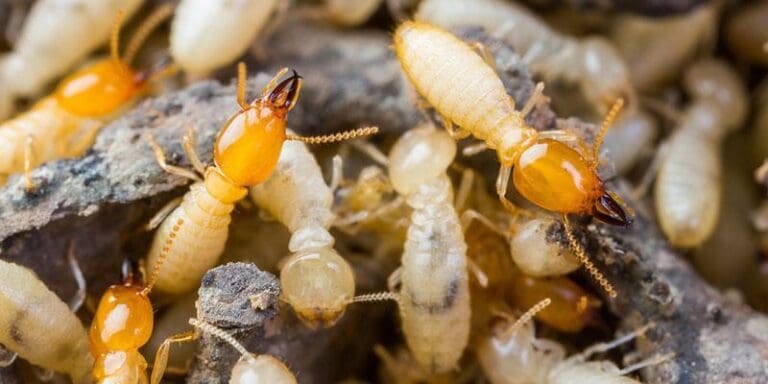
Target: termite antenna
{"type": "Point", "coordinates": [161, 258]}
{"type": "Point", "coordinates": [378, 296]}
{"type": "Point", "coordinates": [526, 317]}
{"type": "Point", "coordinates": [609, 119]}
{"type": "Point", "coordinates": [241, 78]}
{"type": "Point", "coordinates": [114, 38]}
{"type": "Point", "coordinates": [215, 331]}
{"type": "Point", "coordinates": [341, 136]}
{"type": "Point", "coordinates": [582, 256]}
{"type": "Point", "coordinates": [157, 17]}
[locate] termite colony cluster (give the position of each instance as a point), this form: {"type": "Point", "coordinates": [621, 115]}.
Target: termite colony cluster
{"type": "Point", "coordinates": [461, 248]}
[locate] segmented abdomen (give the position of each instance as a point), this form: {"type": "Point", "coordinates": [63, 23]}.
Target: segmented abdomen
{"type": "Point", "coordinates": [435, 288]}
{"type": "Point", "coordinates": [455, 80]}
{"type": "Point", "coordinates": [193, 236]}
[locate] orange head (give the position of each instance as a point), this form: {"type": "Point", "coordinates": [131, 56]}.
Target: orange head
{"type": "Point", "coordinates": [249, 145]}
{"type": "Point", "coordinates": [556, 177]}
{"type": "Point", "coordinates": [108, 84]}
{"type": "Point", "coordinates": [124, 318]}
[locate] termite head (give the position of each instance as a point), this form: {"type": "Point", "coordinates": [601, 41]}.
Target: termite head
{"type": "Point", "coordinates": [105, 86]}
{"type": "Point", "coordinates": [318, 284]}
{"type": "Point", "coordinates": [249, 145]}
{"type": "Point", "coordinates": [604, 74]}
{"type": "Point", "coordinates": [556, 177]}
{"type": "Point", "coordinates": [130, 304]}
{"type": "Point", "coordinates": [420, 156]}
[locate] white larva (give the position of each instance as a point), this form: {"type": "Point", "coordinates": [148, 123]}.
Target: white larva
{"type": "Point", "coordinates": [39, 327]}
{"type": "Point", "coordinates": [57, 34]}
{"type": "Point", "coordinates": [315, 279]}
{"type": "Point", "coordinates": [687, 190]}
{"type": "Point", "coordinates": [592, 62]}
{"type": "Point", "coordinates": [207, 35]}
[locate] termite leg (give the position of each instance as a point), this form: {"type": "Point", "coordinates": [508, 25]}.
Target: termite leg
{"type": "Point", "coordinates": [77, 300]}
{"type": "Point", "coordinates": [86, 139]}
{"type": "Point", "coordinates": [370, 215]}
{"type": "Point", "coordinates": [533, 99]}
{"type": "Point", "coordinates": [160, 216]}
{"type": "Point", "coordinates": [190, 144]}
{"type": "Point", "coordinates": [654, 360]}
{"type": "Point", "coordinates": [559, 135]}
{"type": "Point", "coordinates": [161, 357]}
{"type": "Point", "coordinates": [481, 277]}
{"type": "Point", "coordinates": [456, 133]}
{"type": "Point", "coordinates": [371, 151]}
{"type": "Point", "coordinates": [172, 169]}
{"type": "Point", "coordinates": [474, 149]}
{"type": "Point", "coordinates": [485, 53]}
{"type": "Point", "coordinates": [465, 187]}
{"type": "Point", "coordinates": [470, 214]}
{"type": "Point", "coordinates": [394, 279]}
{"type": "Point", "coordinates": [502, 182]}
{"type": "Point", "coordinates": [30, 159]}
{"type": "Point", "coordinates": [273, 82]}
{"type": "Point", "coordinates": [337, 173]}
{"type": "Point", "coordinates": [604, 347]}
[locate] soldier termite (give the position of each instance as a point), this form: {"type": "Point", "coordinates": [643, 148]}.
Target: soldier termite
{"type": "Point", "coordinates": [248, 370]}
{"type": "Point", "coordinates": [56, 35]}
{"type": "Point", "coordinates": [465, 90]}
{"type": "Point", "coordinates": [592, 62]}
{"type": "Point", "coordinates": [192, 236]}
{"type": "Point", "coordinates": [207, 35]}
{"type": "Point", "coordinates": [39, 327]}
{"type": "Point", "coordinates": [315, 279]}
{"type": "Point", "coordinates": [687, 190]}
{"type": "Point", "coordinates": [511, 354]}
{"type": "Point", "coordinates": [65, 124]}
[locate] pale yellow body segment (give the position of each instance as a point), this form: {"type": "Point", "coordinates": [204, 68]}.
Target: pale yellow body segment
{"type": "Point", "coordinates": [459, 84]}
{"type": "Point", "coordinates": [39, 327]}
{"type": "Point", "coordinates": [538, 256]}
{"type": "Point", "coordinates": [55, 134]}
{"type": "Point", "coordinates": [197, 232]}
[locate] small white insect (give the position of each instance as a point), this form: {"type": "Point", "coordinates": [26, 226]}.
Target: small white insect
{"type": "Point", "coordinates": [513, 355]}
{"type": "Point", "coordinates": [57, 34]}
{"type": "Point", "coordinates": [39, 327]}
{"type": "Point", "coordinates": [350, 13]}
{"type": "Point", "coordinates": [207, 35]}
{"type": "Point", "coordinates": [633, 135]}
{"type": "Point", "coordinates": [688, 183]}
{"type": "Point", "coordinates": [591, 62]}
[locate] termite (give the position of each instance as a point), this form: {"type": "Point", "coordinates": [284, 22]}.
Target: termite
{"type": "Point", "coordinates": [464, 89]}
{"type": "Point", "coordinates": [512, 354]}
{"type": "Point", "coordinates": [191, 237]}
{"type": "Point", "coordinates": [350, 13]}
{"type": "Point", "coordinates": [688, 185]}
{"type": "Point", "coordinates": [315, 280]}
{"type": "Point", "coordinates": [65, 124]}
{"type": "Point", "coordinates": [39, 327]}
{"type": "Point", "coordinates": [56, 35]}
{"type": "Point", "coordinates": [399, 367]}
{"type": "Point", "coordinates": [248, 370]}
{"type": "Point", "coordinates": [591, 62]}
{"type": "Point", "coordinates": [207, 35]}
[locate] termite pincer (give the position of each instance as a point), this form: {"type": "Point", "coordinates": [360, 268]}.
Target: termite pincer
{"type": "Point", "coordinates": [56, 35]}
{"type": "Point", "coordinates": [592, 62]}
{"type": "Point", "coordinates": [122, 323]}
{"type": "Point", "coordinates": [511, 354]}
{"type": "Point", "coordinates": [249, 369]}
{"type": "Point", "coordinates": [315, 279]}
{"type": "Point", "coordinates": [39, 327]}
{"type": "Point", "coordinates": [465, 90]}
{"type": "Point", "coordinates": [206, 35]}
{"type": "Point", "coordinates": [688, 186]}
{"type": "Point", "coordinates": [65, 124]}
{"type": "Point", "coordinates": [191, 238]}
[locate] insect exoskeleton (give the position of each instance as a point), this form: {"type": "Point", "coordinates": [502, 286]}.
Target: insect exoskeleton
{"type": "Point", "coordinates": [39, 327]}
{"type": "Point", "coordinates": [122, 323]}
{"type": "Point", "coordinates": [466, 91]}
{"type": "Point", "coordinates": [512, 354]}
{"type": "Point", "coordinates": [192, 236]}
{"type": "Point", "coordinates": [688, 184]}
{"type": "Point", "coordinates": [315, 280]}
{"type": "Point", "coordinates": [207, 35]}
{"type": "Point", "coordinates": [592, 62]}
{"type": "Point", "coordinates": [57, 34]}
{"type": "Point", "coordinates": [65, 124]}
{"type": "Point", "coordinates": [572, 308]}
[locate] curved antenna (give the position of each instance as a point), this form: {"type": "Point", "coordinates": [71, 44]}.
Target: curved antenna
{"type": "Point", "coordinates": [157, 17]}
{"type": "Point", "coordinates": [607, 122]}
{"type": "Point", "coordinates": [242, 72]}
{"type": "Point", "coordinates": [582, 256]}
{"type": "Point", "coordinates": [526, 317]}
{"type": "Point", "coordinates": [162, 257]}
{"type": "Point", "coordinates": [340, 136]}
{"type": "Point", "coordinates": [221, 334]}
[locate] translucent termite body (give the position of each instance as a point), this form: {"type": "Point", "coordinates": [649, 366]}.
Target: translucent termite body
{"type": "Point", "coordinates": [122, 323]}
{"type": "Point", "coordinates": [315, 279]}
{"type": "Point", "coordinates": [350, 13]}
{"type": "Point", "coordinates": [191, 238]}
{"type": "Point", "coordinates": [687, 190]}
{"type": "Point", "coordinates": [633, 136]}
{"type": "Point", "coordinates": [39, 327]}
{"type": "Point", "coordinates": [57, 34]}
{"type": "Point", "coordinates": [207, 35]}
{"type": "Point", "coordinates": [434, 283]}
{"type": "Point", "coordinates": [592, 62]}
{"type": "Point", "coordinates": [65, 124]}
{"type": "Point", "coordinates": [512, 354]}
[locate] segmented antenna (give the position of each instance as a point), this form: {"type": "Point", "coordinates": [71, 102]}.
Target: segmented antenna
{"type": "Point", "coordinates": [157, 17]}
{"type": "Point", "coordinates": [163, 255]}
{"type": "Point", "coordinates": [607, 122]}
{"type": "Point", "coordinates": [341, 136]}
{"type": "Point", "coordinates": [582, 256]}
{"type": "Point", "coordinates": [526, 317]}
{"type": "Point", "coordinates": [221, 334]}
